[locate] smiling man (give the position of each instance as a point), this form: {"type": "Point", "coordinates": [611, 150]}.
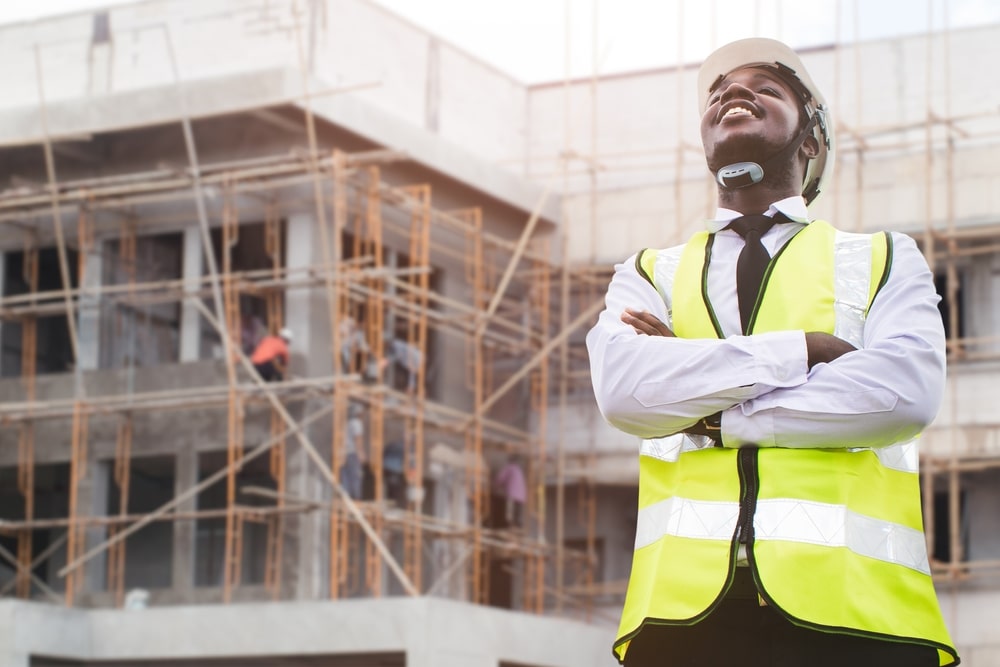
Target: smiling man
{"type": "Point", "coordinates": [779, 371]}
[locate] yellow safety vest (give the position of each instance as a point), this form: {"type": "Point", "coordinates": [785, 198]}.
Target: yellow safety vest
{"type": "Point", "coordinates": [835, 536]}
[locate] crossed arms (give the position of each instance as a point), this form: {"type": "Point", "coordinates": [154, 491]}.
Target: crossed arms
{"type": "Point", "coordinates": [783, 389]}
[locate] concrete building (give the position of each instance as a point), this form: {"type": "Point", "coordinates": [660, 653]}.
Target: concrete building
{"type": "Point", "coordinates": [179, 178]}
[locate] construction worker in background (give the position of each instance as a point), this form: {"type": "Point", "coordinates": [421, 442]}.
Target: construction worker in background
{"type": "Point", "coordinates": [408, 357]}
{"type": "Point", "coordinates": [355, 451]}
{"type": "Point", "coordinates": [779, 371]}
{"type": "Point", "coordinates": [354, 347]}
{"type": "Point", "coordinates": [511, 486]}
{"type": "Point", "coordinates": [270, 357]}
{"type": "Point", "coordinates": [393, 476]}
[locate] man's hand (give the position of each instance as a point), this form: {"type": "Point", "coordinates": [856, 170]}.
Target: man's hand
{"type": "Point", "coordinates": [822, 348]}
{"type": "Point", "coordinates": [646, 323]}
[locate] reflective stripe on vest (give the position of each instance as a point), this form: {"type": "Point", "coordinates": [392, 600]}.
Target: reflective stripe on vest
{"type": "Point", "coordinates": [831, 526]}
{"type": "Point", "coordinates": [789, 520]}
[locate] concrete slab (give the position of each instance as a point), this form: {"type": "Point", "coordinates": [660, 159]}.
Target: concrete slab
{"type": "Point", "coordinates": [247, 91]}
{"type": "Point", "coordinates": [430, 631]}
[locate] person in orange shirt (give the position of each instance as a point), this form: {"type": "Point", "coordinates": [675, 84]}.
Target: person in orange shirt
{"type": "Point", "coordinates": [270, 358]}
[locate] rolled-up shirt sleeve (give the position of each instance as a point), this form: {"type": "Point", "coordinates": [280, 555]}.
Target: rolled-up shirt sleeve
{"type": "Point", "coordinates": [883, 393]}
{"type": "Point", "coordinates": [652, 386]}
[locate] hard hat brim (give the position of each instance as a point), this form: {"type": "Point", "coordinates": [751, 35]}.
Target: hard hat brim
{"type": "Point", "coordinates": [755, 51]}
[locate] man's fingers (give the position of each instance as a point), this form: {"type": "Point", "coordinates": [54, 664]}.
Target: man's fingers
{"type": "Point", "coordinates": [645, 323]}
{"type": "Point", "coordinates": [640, 326]}
{"type": "Point", "coordinates": [824, 348]}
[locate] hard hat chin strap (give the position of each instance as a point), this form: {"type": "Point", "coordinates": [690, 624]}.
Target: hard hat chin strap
{"type": "Point", "coordinates": [742, 174]}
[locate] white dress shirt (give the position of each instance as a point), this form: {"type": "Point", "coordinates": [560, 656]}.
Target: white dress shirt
{"type": "Point", "coordinates": [881, 394]}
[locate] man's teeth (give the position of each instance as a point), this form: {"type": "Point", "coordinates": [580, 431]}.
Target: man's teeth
{"type": "Point", "coordinates": [738, 111]}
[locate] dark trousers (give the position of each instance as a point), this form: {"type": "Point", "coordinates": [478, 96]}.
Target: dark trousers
{"type": "Point", "coordinates": [268, 371]}
{"type": "Point", "coordinates": [742, 633]}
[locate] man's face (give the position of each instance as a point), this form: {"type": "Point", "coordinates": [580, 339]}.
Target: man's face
{"type": "Point", "coordinates": [751, 115]}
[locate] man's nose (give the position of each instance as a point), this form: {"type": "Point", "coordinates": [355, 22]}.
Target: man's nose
{"type": "Point", "coordinates": [735, 90]}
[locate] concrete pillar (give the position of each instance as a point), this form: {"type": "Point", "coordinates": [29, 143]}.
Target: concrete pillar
{"type": "Point", "coordinates": [183, 557]}
{"type": "Point", "coordinates": [451, 504]}
{"type": "Point", "coordinates": [432, 89]}
{"type": "Point", "coordinates": [89, 314]}
{"type": "Point", "coordinates": [307, 308]}
{"type": "Point", "coordinates": [92, 500]}
{"type": "Point", "coordinates": [305, 566]}
{"type": "Point", "coordinates": [190, 343]}
{"type": "Point", "coordinates": [991, 302]}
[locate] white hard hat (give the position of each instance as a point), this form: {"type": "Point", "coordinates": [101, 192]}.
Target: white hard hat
{"type": "Point", "coordinates": [770, 53]}
{"type": "Point", "coordinates": [285, 333]}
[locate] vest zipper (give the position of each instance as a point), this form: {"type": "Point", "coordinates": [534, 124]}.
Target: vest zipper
{"type": "Point", "coordinates": [747, 467]}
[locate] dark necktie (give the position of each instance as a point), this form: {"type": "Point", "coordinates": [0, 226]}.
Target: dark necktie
{"type": "Point", "coordinates": [752, 263]}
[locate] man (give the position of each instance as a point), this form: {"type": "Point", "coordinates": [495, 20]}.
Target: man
{"type": "Point", "coordinates": [270, 357]}
{"type": "Point", "coordinates": [354, 348]}
{"type": "Point", "coordinates": [779, 370]}
{"type": "Point", "coordinates": [408, 357]}
{"type": "Point", "coordinates": [513, 488]}
{"type": "Point", "coordinates": [355, 452]}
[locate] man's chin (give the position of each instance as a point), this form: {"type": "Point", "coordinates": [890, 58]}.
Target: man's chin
{"type": "Point", "coordinates": [736, 147]}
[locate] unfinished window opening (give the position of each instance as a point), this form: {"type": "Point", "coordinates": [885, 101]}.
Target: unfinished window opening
{"type": "Point", "coordinates": [54, 351]}
{"type": "Point", "coordinates": [581, 557]}
{"type": "Point", "coordinates": [943, 547]}
{"type": "Point", "coordinates": [138, 331]}
{"type": "Point", "coordinates": [981, 521]}
{"type": "Point", "coordinates": [954, 322]}
{"type": "Point", "coordinates": [51, 501]}
{"type": "Point", "coordinates": [210, 542]}
{"type": "Point", "coordinates": [255, 254]}
{"type": "Point", "coordinates": [149, 550]}
{"type": "Point", "coordinates": [405, 358]}
{"type": "Point", "coordinates": [101, 33]}
{"type": "Point", "coordinates": [403, 353]}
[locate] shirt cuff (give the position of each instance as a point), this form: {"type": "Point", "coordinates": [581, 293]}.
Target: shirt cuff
{"type": "Point", "coordinates": [739, 429]}
{"type": "Point", "coordinates": [781, 357]}
{"type": "Point", "coordinates": [782, 360]}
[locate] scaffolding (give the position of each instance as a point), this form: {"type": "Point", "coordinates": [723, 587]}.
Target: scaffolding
{"type": "Point", "coordinates": [358, 284]}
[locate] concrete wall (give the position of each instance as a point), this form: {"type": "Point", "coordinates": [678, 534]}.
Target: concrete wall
{"type": "Point", "coordinates": [422, 628]}
{"type": "Point", "coordinates": [970, 618]}
{"type": "Point", "coordinates": [392, 65]}
{"type": "Point", "coordinates": [968, 417]}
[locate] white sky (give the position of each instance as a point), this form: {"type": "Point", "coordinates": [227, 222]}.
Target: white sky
{"type": "Point", "coordinates": [527, 38]}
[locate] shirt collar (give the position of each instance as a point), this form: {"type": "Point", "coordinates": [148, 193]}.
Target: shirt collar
{"type": "Point", "coordinates": [794, 208]}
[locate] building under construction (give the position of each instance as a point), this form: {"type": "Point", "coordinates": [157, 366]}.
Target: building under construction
{"type": "Point", "coordinates": [179, 179]}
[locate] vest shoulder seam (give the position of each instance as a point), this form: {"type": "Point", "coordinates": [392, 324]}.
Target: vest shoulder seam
{"type": "Point", "coordinates": [638, 266]}
{"type": "Point", "coordinates": [886, 268]}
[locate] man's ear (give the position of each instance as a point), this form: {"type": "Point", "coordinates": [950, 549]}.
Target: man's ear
{"type": "Point", "coordinates": [810, 147]}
